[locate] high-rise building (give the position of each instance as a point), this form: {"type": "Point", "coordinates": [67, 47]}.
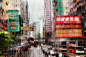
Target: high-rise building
{"type": "Point", "coordinates": [47, 19]}
{"type": "Point", "coordinates": [78, 8]}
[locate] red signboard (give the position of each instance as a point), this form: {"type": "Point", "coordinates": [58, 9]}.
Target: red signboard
{"type": "Point", "coordinates": [67, 26]}
{"type": "Point", "coordinates": [67, 19]}
{"type": "Point", "coordinates": [68, 33]}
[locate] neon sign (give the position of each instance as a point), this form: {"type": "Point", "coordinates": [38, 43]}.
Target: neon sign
{"type": "Point", "coordinates": [67, 26]}
{"type": "Point", "coordinates": [67, 19]}
{"type": "Point", "coordinates": [68, 33]}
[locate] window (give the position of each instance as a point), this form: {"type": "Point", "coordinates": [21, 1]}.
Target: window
{"type": "Point", "coordinates": [80, 43]}
{"type": "Point", "coordinates": [7, 3]}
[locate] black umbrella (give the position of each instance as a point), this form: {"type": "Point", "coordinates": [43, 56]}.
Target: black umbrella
{"type": "Point", "coordinates": [30, 39]}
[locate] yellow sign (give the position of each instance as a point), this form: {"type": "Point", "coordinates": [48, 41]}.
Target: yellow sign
{"type": "Point", "coordinates": [21, 28]}
{"type": "Point", "coordinates": [25, 28]}
{"type": "Point", "coordinates": [21, 37]}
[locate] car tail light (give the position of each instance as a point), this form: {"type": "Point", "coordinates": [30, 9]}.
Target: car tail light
{"type": "Point", "coordinates": [73, 51]}
{"type": "Point", "coordinates": [35, 42]}
{"type": "Point", "coordinates": [32, 42]}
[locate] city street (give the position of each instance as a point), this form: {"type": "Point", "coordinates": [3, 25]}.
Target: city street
{"type": "Point", "coordinates": [33, 52]}
{"type": "Point", "coordinates": [42, 28]}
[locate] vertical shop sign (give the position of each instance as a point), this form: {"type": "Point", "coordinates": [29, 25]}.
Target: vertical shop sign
{"type": "Point", "coordinates": [13, 21]}
{"type": "Point", "coordinates": [60, 7]}
{"type": "Point", "coordinates": [48, 16]}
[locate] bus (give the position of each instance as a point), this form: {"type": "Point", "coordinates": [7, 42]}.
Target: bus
{"type": "Point", "coordinates": [76, 46]}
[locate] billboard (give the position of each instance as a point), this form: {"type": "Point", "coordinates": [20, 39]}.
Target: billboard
{"type": "Point", "coordinates": [67, 19]}
{"type": "Point", "coordinates": [13, 21]}
{"type": "Point", "coordinates": [67, 26]}
{"type": "Point", "coordinates": [68, 33]}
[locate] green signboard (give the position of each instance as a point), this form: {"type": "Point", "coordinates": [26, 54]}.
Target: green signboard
{"type": "Point", "coordinates": [13, 21]}
{"type": "Point", "coordinates": [60, 8]}
{"type": "Point", "coordinates": [13, 15]}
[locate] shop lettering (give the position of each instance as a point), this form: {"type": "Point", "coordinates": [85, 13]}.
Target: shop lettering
{"type": "Point", "coordinates": [13, 25]}
{"type": "Point", "coordinates": [12, 16]}
{"type": "Point", "coordinates": [67, 19]}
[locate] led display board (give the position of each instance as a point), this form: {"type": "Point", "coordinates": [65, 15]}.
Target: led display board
{"type": "Point", "coordinates": [66, 26]}
{"type": "Point", "coordinates": [68, 33]}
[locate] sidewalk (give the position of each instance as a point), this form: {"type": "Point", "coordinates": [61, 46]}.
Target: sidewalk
{"type": "Point", "coordinates": [14, 55]}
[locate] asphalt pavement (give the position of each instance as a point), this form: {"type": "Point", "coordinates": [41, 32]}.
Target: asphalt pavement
{"type": "Point", "coordinates": [35, 52]}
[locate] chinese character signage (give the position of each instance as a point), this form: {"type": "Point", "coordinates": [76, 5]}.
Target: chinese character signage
{"type": "Point", "coordinates": [68, 19]}
{"type": "Point", "coordinates": [13, 21]}
{"type": "Point", "coordinates": [13, 15]}
{"type": "Point", "coordinates": [68, 33]}
{"type": "Point", "coordinates": [60, 7]}
{"type": "Point", "coordinates": [48, 16]}
{"type": "Point", "coordinates": [67, 26]}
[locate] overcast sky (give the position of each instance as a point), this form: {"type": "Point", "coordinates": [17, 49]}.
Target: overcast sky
{"type": "Point", "coordinates": [36, 11]}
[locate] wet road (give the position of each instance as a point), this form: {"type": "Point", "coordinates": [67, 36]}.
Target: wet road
{"type": "Point", "coordinates": [35, 52]}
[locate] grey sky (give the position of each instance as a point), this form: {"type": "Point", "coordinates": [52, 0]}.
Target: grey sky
{"type": "Point", "coordinates": [36, 9]}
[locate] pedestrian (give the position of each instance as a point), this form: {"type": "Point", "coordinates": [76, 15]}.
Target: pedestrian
{"type": "Point", "coordinates": [68, 52]}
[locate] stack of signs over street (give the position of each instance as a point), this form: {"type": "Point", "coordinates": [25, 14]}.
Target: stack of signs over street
{"type": "Point", "coordinates": [68, 27]}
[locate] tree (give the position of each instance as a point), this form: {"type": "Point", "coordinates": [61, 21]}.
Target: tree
{"type": "Point", "coordinates": [15, 36]}
{"type": "Point", "coordinates": [5, 41]}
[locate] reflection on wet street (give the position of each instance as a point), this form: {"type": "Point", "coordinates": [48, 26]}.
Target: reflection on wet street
{"type": "Point", "coordinates": [35, 52]}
